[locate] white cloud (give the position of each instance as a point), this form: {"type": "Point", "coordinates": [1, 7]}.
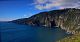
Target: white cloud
{"type": "Point", "coordinates": [40, 1]}
{"type": "Point", "coordinates": [49, 4]}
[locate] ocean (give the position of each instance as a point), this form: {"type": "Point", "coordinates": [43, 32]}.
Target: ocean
{"type": "Point", "coordinates": [12, 32]}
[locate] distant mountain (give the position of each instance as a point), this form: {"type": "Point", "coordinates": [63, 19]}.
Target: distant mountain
{"type": "Point", "coordinates": [20, 21]}
{"type": "Point", "coordinates": [67, 19]}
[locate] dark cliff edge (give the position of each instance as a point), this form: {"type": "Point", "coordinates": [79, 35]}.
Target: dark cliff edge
{"type": "Point", "coordinates": [67, 19]}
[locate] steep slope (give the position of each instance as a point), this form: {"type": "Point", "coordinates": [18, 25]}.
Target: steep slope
{"type": "Point", "coordinates": [67, 19]}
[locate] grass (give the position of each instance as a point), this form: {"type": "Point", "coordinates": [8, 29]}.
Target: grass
{"type": "Point", "coordinates": [73, 38]}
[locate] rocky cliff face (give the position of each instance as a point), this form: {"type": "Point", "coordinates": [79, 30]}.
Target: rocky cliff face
{"type": "Point", "coordinates": [67, 19]}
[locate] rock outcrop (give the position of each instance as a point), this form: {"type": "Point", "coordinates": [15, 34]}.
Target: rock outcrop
{"type": "Point", "coordinates": [67, 19]}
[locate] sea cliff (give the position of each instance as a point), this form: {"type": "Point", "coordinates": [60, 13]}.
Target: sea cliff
{"type": "Point", "coordinates": [66, 19]}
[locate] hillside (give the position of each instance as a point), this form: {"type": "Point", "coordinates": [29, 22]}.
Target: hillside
{"type": "Point", "coordinates": [73, 38]}
{"type": "Point", "coordinates": [67, 19]}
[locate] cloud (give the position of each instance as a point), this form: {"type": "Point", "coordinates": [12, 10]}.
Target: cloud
{"type": "Point", "coordinates": [49, 4]}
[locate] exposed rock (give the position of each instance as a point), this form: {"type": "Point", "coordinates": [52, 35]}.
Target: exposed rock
{"type": "Point", "coordinates": [67, 19]}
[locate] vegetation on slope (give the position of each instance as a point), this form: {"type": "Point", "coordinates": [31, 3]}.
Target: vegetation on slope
{"type": "Point", "coordinates": [73, 38]}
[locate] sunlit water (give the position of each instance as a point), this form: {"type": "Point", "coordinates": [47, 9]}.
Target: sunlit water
{"type": "Point", "coordinates": [11, 32]}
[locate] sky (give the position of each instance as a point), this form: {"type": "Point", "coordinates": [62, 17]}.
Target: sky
{"type": "Point", "coordinates": [16, 9]}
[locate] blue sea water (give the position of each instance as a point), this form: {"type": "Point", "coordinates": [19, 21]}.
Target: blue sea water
{"type": "Point", "coordinates": [11, 32]}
